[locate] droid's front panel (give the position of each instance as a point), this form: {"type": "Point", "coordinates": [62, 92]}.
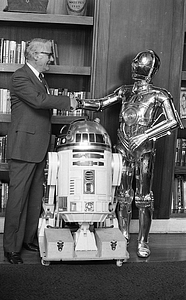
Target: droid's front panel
{"type": "Point", "coordinates": [84, 184]}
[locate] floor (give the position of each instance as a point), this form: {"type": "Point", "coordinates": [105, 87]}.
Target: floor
{"type": "Point", "coordinates": [164, 247]}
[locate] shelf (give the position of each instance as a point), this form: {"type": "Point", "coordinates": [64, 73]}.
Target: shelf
{"type": "Point", "coordinates": [54, 69]}
{"type": "Point", "coordinates": [46, 18]}
{"type": "Point", "coordinates": [75, 39]}
{"type": "Point", "coordinates": [6, 118]}
{"type": "Point", "coordinates": [65, 120]}
{"type": "Point", "coordinates": [178, 215]}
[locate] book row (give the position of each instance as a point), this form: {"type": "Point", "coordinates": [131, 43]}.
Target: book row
{"type": "Point", "coordinates": [13, 52]}
{"type": "Point", "coordinates": [179, 194]}
{"type": "Point", "coordinates": [3, 147]}
{"type": "Point", "coordinates": [61, 91]}
{"type": "Point", "coordinates": [3, 194]}
{"type": "Point", "coordinates": [5, 106]}
{"type": "Point", "coordinates": [180, 157]}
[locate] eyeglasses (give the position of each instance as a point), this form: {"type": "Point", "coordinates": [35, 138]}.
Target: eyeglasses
{"type": "Point", "coordinates": [49, 54]}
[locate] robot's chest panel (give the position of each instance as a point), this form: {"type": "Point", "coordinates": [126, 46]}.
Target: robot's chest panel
{"type": "Point", "coordinates": [130, 115]}
{"type": "Point", "coordinates": [138, 111]}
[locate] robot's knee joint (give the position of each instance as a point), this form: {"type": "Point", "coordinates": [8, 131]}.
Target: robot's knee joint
{"type": "Point", "coordinates": [144, 202]}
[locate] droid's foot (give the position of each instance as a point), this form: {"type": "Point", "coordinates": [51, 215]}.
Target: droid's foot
{"type": "Point", "coordinates": [143, 250]}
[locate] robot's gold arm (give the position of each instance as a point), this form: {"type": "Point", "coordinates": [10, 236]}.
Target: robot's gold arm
{"type": "Point", "coordinates": [161, 129]}
{"type": "Point", "coordinates": [157, 130]}
{"type": "Point", "coordinates": [99, 104]}
{"type": "Point", "coordinates": [172, 121]}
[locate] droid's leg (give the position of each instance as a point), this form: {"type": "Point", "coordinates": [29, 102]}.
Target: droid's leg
{"type": "Point", "coordinates": [144, 201]}
{"type": "Point", "coordinates": [124, 197]}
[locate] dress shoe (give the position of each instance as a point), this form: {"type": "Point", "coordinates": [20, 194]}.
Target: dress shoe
{"type": "Point", "coordinates": [14, 257]}
{"type": "Point", "coordinates": [31, 247]}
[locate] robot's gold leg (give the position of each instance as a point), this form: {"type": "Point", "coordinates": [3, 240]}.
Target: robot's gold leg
{"type": "Point", "coordinates": [124, 213]}
{"type": "Point", "coordinates": [145, 218]}
{"type": "Point", "coordinates": [145, 205]}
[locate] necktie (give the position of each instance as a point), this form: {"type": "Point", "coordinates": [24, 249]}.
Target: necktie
{"type": "Point", "coordinates": [41, 77]}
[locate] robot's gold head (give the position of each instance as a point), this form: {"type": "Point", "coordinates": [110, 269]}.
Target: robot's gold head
{"type": "Point", "coordinates": [145, 65]}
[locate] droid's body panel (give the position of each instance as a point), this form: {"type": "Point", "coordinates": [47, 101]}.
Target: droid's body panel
{"type": "Point", "coordinates": [83, 172]}
{"type": "Point", "coordinates": [85, 161]}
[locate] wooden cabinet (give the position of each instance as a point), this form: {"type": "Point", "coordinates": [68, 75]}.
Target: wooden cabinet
{"type": "Point", "coordinates": [75, 38]}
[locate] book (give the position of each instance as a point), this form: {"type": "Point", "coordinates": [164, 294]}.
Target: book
{"type": "Point", "coordinates": [183, 152]}
{"type": "Point", "coordinates": [184, 193]}
{"type": "Point", "coordinates": [18, 53]}
{"type": "Point", "coordinates": [4, 194]}
{"type": "Point", "coordinates": [5, 105]}
{"type": "Point", "coordinates": [183, 102]}
{"type": "Point", "coordinates": [175, 196]}
{"type": "Point", "coordinates": [4, 149]}
{"type": "Point", "coordinates": [23, 46]}
{"type": "Point", "coordinates": [6, 47]}
{"type": "Point", "coordinates": [1, 49]}
{"type": "Point", "coordinates": [178, 152]}
{"type": "Point", "coordinates": [12, 52]}
{"type": "Point", "coordinates": [179, 194]}
{"type": "Point", "coordinates": [55, 53]}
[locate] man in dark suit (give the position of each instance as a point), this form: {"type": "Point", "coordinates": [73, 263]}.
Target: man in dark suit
{"type": "Point", "coordinates": [28, 142]}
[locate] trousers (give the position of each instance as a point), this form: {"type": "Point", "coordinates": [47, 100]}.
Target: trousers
{"type": "Point", "coordinates": [23, 207]}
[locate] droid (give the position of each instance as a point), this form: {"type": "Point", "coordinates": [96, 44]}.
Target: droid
{"type": "Point", "coordinates": [78, 220]}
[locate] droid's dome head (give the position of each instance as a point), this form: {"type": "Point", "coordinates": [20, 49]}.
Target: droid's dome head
{"type": "Point", "coordinates": [84, 134]}
{"type": "Point", "coordinates": [145, 65]}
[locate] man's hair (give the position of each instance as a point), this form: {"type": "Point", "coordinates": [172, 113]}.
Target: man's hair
{"type": "Point", "coordinates": [33, 46]}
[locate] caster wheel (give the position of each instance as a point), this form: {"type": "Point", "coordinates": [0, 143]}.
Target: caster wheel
{"type": "Point", "coordinates": [45, 263]}
{"type": "Point", "coordinates": [119, 262]}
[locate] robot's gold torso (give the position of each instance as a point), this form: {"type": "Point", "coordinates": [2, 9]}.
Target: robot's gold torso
{"type": "Point", "coordinates": [139, 111]}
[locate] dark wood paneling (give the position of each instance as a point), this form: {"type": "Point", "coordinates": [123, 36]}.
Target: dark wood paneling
{"type": "Point", "coordinates": [125, 28]}
{"type": "Point", "coordinates": [174, 83]}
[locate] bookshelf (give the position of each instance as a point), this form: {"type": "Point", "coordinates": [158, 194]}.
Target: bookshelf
{"type": "Point", "coordinates": [96, 56]}
{"type": "Point", "coordinates": [75, 37]}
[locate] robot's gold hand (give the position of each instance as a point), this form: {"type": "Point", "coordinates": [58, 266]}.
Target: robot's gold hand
{"type": "Point", "coordinates": [80, 103]}
{"type": "Point", "coordinates": [136, 141]}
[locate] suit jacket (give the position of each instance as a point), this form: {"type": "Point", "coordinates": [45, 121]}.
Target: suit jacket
{"type": "Point", "coordinates": [30, 128]}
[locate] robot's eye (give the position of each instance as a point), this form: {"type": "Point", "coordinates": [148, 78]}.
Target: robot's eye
{"type": "Point", "coordinates": [144, 61]}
